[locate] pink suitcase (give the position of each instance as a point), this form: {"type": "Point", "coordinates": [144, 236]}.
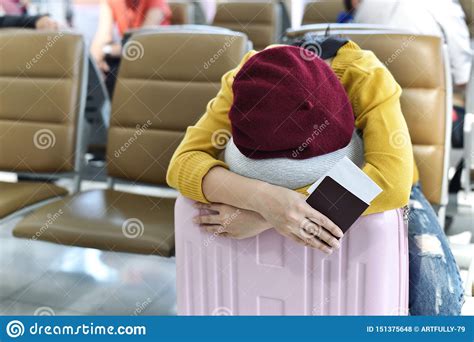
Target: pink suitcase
{"type": "Point", "coordinates": [272, 275]}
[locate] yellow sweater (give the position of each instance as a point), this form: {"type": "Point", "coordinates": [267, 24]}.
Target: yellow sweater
{"type": "Point", "coordinates": [375, 98]}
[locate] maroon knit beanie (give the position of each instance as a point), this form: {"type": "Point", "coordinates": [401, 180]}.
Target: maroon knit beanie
{"type": "Point", "coordinates": [289, 104]}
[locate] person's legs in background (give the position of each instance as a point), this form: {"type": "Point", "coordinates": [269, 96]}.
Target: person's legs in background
{"type": "Point", "coordinates": [435, 284]}
{"type": "Point", "coordinates": [111, 76]}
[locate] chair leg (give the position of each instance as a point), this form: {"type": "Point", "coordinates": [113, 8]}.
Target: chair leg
{"type": "Point", "coordinates": [76, 184]}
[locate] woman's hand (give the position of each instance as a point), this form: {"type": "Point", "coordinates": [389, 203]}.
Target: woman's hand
{"type": "Point", "coordinates": [288, 212]}
{"type": "Point", "coordinates": [226, 220]}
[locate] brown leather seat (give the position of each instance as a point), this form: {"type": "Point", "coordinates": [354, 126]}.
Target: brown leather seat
{"type": "Point", "coordinates": [16, 196]}
{"type": "Point", "coordinates": [156, 98]}
{"type": "Point", "coordinates": [41, 112]}
{"type": "Point", "coordinates": [418, 63]}
{"type": "Point", "coordinates": [105, 219]}
{"type": "Point", "coordinates": [261, 21]}
{"type": "Point", "coordinates": [182, 12]}
{"type": "Point", "coordinates": [322, 11]}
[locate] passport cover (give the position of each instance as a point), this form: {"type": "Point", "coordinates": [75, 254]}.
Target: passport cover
{"type": "Point", "coordinates": [337, 203]}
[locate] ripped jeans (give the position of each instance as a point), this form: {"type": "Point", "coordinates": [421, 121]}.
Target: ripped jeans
{"type": "Point", "coordinates": [435, 285]}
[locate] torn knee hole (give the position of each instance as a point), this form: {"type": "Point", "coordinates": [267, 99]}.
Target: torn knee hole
{"type": "Point", "coordinates": [429, 245]}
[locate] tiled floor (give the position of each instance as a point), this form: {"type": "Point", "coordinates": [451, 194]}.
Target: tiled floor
{"type": "Point", "coordinates": [42, 277]}
{"type": "Point", "coordinates": [46, 278]}
{"type": "Point", "coordinates": [68, 280]}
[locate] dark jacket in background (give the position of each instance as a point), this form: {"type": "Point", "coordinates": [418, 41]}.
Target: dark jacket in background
{"type": "Point", "coordinates": [25, 21]}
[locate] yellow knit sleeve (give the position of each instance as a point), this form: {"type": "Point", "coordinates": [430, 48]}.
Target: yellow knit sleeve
{"type": "Point", "coordinates": [202, 144]}
{"type": "Point", "coordinates": [375, 97]}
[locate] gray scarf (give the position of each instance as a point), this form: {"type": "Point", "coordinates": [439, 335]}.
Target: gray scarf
{"type": "Point", "coordinates": [292, 173]}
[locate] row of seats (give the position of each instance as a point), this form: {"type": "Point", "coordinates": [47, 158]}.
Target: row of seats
{"type": "Point", "coordinates": [264, 22]}
{"type": "Point", "coordinates": [143, 132]}
{"type": "Point", "coordinates": [186, 12]}
{"type": "Point", "coordinates": [157, 97]}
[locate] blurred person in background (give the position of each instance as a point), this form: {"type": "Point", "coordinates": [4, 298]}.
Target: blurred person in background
{"type": "Point", "coordinates": [346, 16]}
{"type": "Point", "coordinates": [444, 18]}
{"type": "Point", "coordinates": [10, 7]}
{"type": "Point", "coordinates": [126, 15]}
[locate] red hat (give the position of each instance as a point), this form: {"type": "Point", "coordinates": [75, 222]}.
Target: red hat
{"type": "Point", "coordinates": [288, 103]}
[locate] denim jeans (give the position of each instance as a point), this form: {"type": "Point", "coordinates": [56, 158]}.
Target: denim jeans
{"type": "Point", "coordinates": [435, 285]}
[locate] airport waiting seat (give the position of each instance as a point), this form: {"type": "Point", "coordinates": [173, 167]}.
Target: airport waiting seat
{"type": "Point", "coordinates": [43, 80]}
{"type": "Point", "coordinates": [260, 21]}
{"type": "Point", "coordinates": [182, 12]}
{"type": "Point", "coordinates": [420, 65]}
{"type": "Point", "coordinates": [324, 11]}
{"type": "Point", "coordinates": [158, 95]}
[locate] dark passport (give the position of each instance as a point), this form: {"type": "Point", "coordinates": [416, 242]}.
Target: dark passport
{"type": "Point", "coordinates": [337, 203]}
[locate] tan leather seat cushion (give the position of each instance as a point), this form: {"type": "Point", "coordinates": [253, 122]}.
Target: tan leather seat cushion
{"type": "Point", "coordinates": [16, 196]}
{"type": "Point", "coordinates": [105, 219]}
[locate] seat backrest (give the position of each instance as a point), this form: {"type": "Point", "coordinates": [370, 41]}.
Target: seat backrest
{"type": "Point", "coordinates": [164, 83]}
{"type": "Point", "coordinates": [329, 28]}
{"type": "Point", "coordinates": [261, 21]}
{"type": "Point", "coordinates": [467, 6]}
{"type": "Point", "coordinates": [43, 82]}
{"type": "Point", "coordinates": [182, 12]}
{"type": "Point", "coordinates": [419, 64]}
{"type": "Point", "coordinates": [324, 11]}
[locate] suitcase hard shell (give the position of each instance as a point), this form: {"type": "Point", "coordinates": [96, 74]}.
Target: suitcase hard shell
{"type": "Point", "coordinates": [272, 275]}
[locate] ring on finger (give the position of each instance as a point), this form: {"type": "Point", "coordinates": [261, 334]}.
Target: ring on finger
{"type": "Point", "coordinates": [314, 229]}
{"type": "Point", "coordinates": [318, 234]}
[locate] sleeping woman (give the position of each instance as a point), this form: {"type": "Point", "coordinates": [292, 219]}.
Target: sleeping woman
{"type": "Point", "coordinates": [291, 115]}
